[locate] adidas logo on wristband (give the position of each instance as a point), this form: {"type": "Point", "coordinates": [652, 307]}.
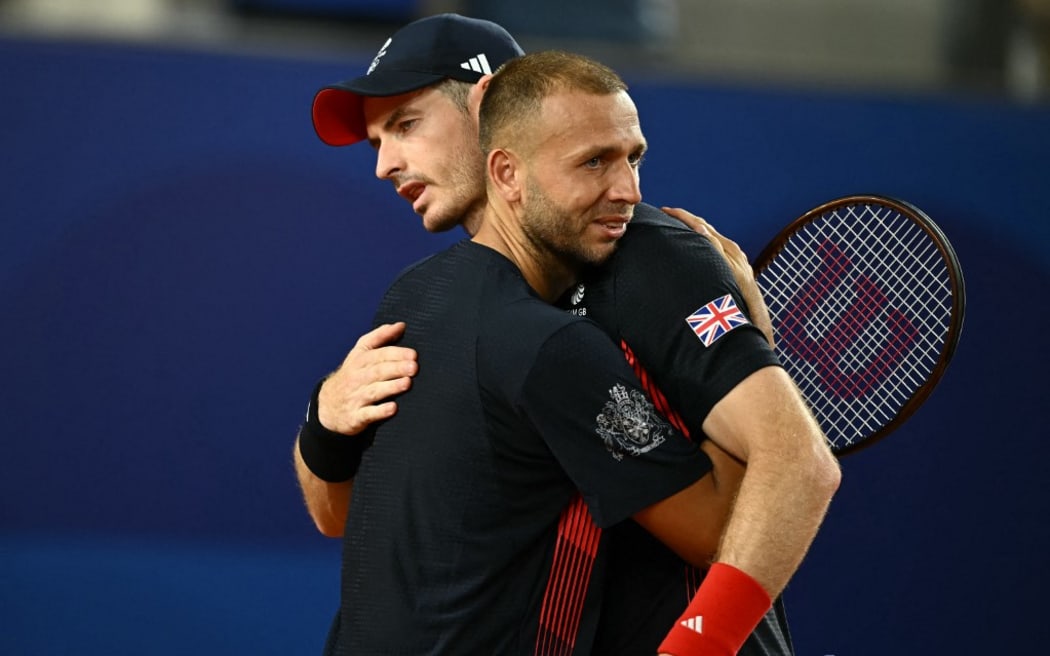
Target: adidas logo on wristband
{"type": "Point", "coordinates": [694, 623]}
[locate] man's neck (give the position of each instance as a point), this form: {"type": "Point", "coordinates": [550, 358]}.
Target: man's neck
{"type": "Point", "coordinates": [473, 217]}
{"type": "Point", "coordinates": [548, 276]}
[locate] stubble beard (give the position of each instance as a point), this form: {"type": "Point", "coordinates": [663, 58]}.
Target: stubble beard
{"type": "Point", "coordinates": [554, 233]}
{"type": "Point", "coordinates": [465, 202]}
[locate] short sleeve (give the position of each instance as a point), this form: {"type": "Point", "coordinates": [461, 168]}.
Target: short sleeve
{"type": "Point", "coordinates": [591, 411]}
{"type": "Point", "coordinates": [675, 302]}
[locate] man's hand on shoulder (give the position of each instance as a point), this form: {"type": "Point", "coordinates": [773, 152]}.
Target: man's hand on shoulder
{"type": "Point", "coordinates": [738, 263]}
{"type": "Point", "coordinates": [358, 393]}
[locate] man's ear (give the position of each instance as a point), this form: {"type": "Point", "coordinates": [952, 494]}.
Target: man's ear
{"type": "Point", "coordinates": [505, 174]}
{"type": "Point", "coordinates": [477, 92]}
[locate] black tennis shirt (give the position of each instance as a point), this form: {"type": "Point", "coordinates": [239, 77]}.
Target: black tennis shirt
{"type": "Point", "coordinates": [661, 274]}
{"type": "Point", "coordinates": [464, 534]}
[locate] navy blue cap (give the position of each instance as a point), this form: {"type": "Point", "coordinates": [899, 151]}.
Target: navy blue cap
{"type": "Point", "coordinates": [418, 55]}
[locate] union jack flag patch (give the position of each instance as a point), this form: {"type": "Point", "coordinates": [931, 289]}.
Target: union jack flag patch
{"type": "Point", "coordinates": [716, 319]}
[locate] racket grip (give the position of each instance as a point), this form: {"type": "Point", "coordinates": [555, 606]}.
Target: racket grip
{"type": "Point", "coordinates": [723, 613]}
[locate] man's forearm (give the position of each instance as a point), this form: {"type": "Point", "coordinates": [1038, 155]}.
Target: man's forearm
{"type": "Point", "coordinates": [790, 479]}
{"type": "Point", "coordinates": [327, 503]}
{"type": "Point", "coordinates": [777, 514]}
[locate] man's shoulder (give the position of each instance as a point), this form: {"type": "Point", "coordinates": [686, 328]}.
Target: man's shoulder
{"type": "Point", "coordinates": [450, 285]}
{"type": "Point", "coordinates": [459, 254]}
{"type": "Point", "coordinates": [654, 219]}
{"type": "Point", "coordinates": [656, 240]}
{"type": "Point", "coordinates": [455, 271]}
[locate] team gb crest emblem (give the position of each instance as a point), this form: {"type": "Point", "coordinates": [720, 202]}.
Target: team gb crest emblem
{"type": "Point", "coordinates": [629, 424]}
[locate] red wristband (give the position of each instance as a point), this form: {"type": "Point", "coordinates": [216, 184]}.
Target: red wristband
{"type": "Point", "coordinates": [723, 613]}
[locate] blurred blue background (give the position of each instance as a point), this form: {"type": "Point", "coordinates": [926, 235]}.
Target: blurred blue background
{"type": "Point", "coordinates": [181, 258]}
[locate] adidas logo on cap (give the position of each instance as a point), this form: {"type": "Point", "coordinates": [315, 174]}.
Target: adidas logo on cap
{"type": "Point", "coordinates": [478, 64]}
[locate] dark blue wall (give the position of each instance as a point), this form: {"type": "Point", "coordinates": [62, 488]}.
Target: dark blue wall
{"type": "Point", "coordinates": [180, 258]}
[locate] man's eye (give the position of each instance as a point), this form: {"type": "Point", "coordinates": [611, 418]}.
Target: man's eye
{"type": "Point", "coordinates": [594, 162]}
{"type": "Point", "coordinates": [406, 125]}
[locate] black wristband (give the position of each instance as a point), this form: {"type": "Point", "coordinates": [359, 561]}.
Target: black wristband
{"type": "Point", "coordinates": [331, 456]}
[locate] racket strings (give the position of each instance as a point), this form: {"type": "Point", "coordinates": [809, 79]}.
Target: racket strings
{"type": "Point", "coordinates": [861, 300]}
{"type": "Point", "coordinates": [907, 267]}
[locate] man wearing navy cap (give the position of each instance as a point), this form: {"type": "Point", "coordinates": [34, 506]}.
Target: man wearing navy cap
{"type": "Point", "coordinates": [445, 54]}
{"type": "Point", "coordinates": [419, 55]}
{"type": "Point", "coordinates": [407, 85]}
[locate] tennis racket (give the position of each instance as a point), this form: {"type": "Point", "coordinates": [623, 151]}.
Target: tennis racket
{"type": "Point", "coordinates": [867, 299]}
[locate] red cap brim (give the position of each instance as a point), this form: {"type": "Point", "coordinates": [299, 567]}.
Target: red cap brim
{"type": "Point", "coordinates": [338, 117]}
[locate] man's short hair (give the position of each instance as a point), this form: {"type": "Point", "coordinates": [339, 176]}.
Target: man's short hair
{"type": "Point", "coordinates": [517, 90]}
{"type": "Point", "coordinates": [457, 91]}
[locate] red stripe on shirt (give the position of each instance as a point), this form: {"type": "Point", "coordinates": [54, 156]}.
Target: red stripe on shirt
{"type": "Point", "coordinates": [574, 553]}
{"type": "Point", "coordinates": [694, 576]}
{"type": "Point", "coordinates": [658, 398]}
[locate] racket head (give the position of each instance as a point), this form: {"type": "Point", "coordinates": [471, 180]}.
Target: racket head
{"type": "Point", "coordinates": [867, 299]}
